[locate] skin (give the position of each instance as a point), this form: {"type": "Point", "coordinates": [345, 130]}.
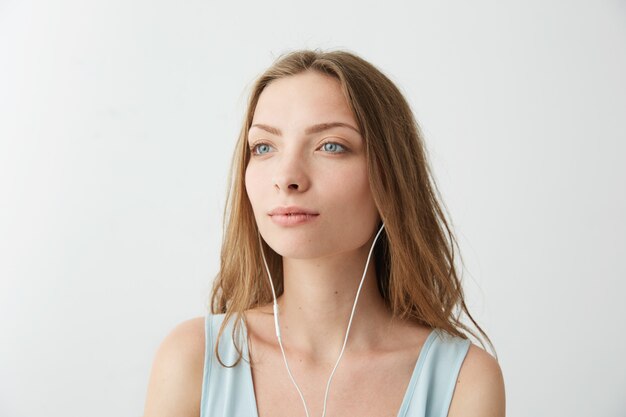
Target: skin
{"type": "Point", "coordinates": [323, 262]}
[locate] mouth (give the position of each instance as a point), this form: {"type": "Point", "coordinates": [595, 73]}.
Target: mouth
{"type": "Point", "coordinates": [293, 219]}
{"type": "Point", "coordinates": [291, 211]}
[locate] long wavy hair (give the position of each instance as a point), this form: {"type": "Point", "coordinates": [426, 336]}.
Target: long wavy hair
{"type": "Point", "coordinates": [415, 254]}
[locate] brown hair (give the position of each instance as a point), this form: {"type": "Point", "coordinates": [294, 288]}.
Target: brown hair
{"type": "Point", "coordinates": [414, 255]}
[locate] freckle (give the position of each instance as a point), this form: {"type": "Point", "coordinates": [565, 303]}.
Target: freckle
{"type": "Point", "coordinates": [336, 292]}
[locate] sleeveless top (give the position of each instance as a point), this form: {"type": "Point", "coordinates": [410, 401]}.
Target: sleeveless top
{"type": "Point", "coordinates": [229, 392]}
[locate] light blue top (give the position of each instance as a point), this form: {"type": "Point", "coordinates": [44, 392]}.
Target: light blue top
{"type": "Point", "coordinates": [228, 392]}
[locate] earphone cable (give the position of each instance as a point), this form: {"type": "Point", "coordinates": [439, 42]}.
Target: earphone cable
{"type": "Point", "coordinates": [277, 325]}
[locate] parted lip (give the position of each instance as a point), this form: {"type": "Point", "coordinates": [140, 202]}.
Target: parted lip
{"type": "Point", "coordinates": [291, 210]}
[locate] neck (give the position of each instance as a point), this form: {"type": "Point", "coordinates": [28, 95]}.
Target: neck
{"type": "Point", "coordinates": [317, 301]}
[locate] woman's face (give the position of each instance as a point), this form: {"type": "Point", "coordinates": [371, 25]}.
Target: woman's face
{"type": "Point", "coordinates": [297, 161]}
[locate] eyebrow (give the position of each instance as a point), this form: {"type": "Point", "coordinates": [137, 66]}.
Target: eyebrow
{"type": "Point", "coordinates": [313, 129]}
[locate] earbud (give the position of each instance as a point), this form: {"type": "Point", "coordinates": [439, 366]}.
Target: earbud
{"type": "Point", "coordinates": [277, 324]}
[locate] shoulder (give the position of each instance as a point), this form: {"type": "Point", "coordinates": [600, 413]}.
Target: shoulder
{"type": "Point", "coordinates": [479, 388]}
{"type": "Point", "coordinates": [175, 385]}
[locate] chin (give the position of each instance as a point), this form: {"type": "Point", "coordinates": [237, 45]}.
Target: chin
{"type": "Point", "coordinates": [294, 248]}
{"type": "Point", "coordinates": [296, 251]}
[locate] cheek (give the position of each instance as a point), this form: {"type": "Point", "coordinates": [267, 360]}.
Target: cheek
{"type": "Point", "coordinates": [349, 194]}
{"type": "Point", "coordinates": [352, 185]}
{"type": "Point", "coordinates": [252, 186]}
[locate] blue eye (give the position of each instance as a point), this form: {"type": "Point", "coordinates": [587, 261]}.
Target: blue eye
{"type": "Point", "coordinates": [262, 148]}
{"type": "Point", "coordinates": [332, 148]}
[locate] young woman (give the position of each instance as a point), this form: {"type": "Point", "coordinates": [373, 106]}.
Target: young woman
{"type": "Point", "coordinates": [337, 293]}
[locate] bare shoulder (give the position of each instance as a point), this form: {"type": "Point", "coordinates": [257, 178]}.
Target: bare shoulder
{"type": "Point", "coordinates": [479, 388]}
{"type": "Point", "coordinates": [175, 384]}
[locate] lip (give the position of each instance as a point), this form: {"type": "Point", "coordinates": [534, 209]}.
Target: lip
{"type": "Point", "coordinates": [291, 210]}
{"type": "Point", "coordinates": [292, 215]}
{"type": "Point", "coordinates": [293, 219]}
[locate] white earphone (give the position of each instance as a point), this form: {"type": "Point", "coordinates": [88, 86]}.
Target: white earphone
{"type": "Point", "coordinates": [277, 324]}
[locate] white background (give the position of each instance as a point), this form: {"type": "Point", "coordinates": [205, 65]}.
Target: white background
{"type": "Point", "coordinates": [117, 125]}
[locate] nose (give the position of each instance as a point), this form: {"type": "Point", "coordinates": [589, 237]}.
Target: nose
{"type": "Point", "coordinates": [290, 174]}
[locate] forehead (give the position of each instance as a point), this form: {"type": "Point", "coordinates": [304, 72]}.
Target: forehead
{"type": "Point", "coordinates": [305, 98]}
